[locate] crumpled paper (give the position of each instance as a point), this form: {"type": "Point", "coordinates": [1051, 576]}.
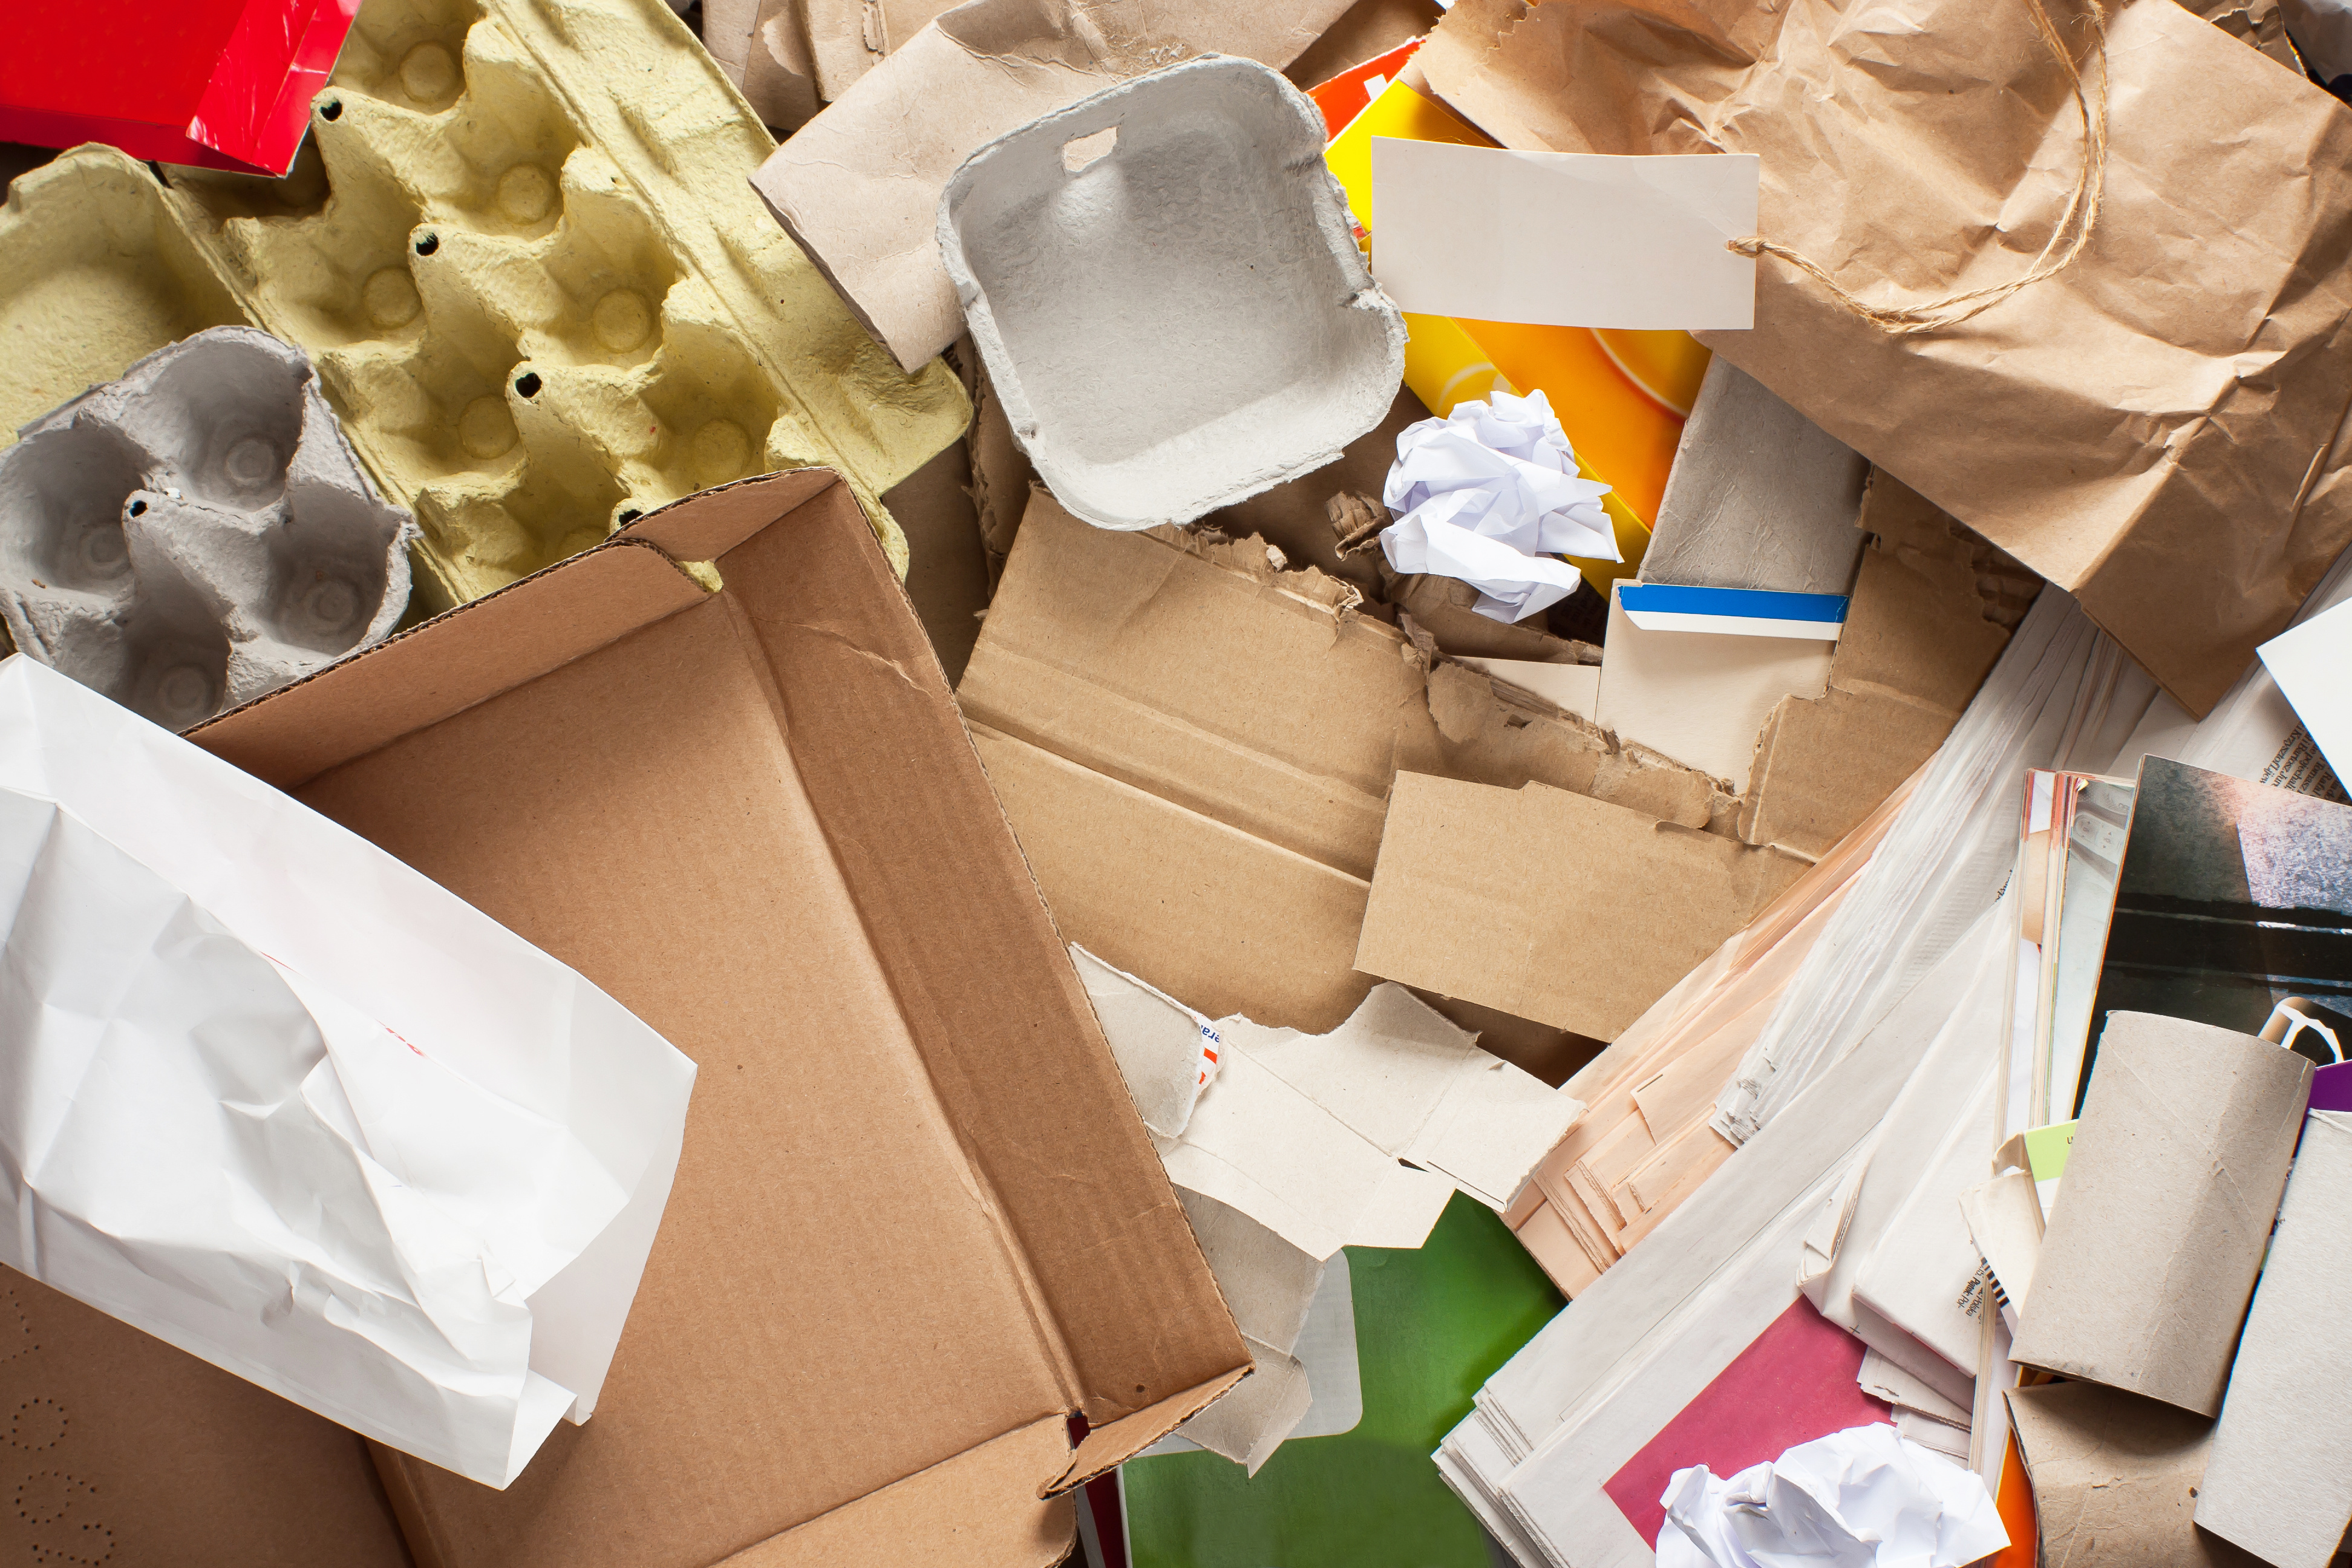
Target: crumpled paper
{"type": "Point", "coordinates": [1863, 1497]}
{"type": "Point", "coordinates": [276, 1099]}
{"type": "Point", "coordinates": [1485, 495]}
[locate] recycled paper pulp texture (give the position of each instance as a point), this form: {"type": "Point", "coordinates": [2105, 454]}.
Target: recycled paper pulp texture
{"type": "Point", "coordinates": [2192, 517]}
{"type": "Point", "coordinates": [1164, 714]}
{"type": "Point", "coordinates": [2280, 1479]}
{"type": "Point", "coordinates": [1159, 359]}
{"type": "Point", "coordinates": [859, 185]}
{"type": "Point", "coordinates": [482, 193]}
{"type": "Point", "coordinates": [2159, 1228]}
{"type": "Point", "coordinates": [127, 1451]}
{"type": "Point", "coordinates": [2116, 1478]}
{"type": "Point", "coordinates": [873, 1303]}
{"type": "Point", "coordinates": [1564, 239]}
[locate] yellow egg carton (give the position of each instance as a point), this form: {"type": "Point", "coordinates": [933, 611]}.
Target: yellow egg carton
{"type": "Point", "coordinates": [521, 250]}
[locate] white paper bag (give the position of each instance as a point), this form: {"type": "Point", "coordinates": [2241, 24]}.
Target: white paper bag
{"type": "Point", "coordinates": [270, 1095]}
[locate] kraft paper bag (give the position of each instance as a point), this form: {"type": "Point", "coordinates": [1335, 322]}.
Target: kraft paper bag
{"type": "Point", "coordinates": [2156, 424]}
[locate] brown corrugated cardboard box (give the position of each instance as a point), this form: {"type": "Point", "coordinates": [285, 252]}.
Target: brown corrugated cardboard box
{"type": "Point", "coordinates": [125, 1451]}
{"type": "Point", "coordinates": [918, 1228]}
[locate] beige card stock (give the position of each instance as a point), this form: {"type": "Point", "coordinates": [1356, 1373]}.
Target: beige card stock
{"type": "Point", "coordinates": [1702, 700]}
{"type": "Point", "coordinates": [2280, 1479]}
{"type": "Point", "coordinates": [1566, 240]}
{"type": "Point", "coordinates": [2159, 1228]}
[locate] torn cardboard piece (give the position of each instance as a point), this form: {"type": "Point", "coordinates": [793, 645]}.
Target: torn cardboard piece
{"type": "Point", "coordinates": [1625, 905]}
{"type": "Point", "coordinates": [2279, 1482]}
{"type": "Point", "coordinates": [764, 48]}
{"type": "Point", "coordinates": [2116, 1478]}
{"type": "Point", "coordinates": [2007, 418]}
{"type": "Point", "coordinates": [1760, 496]}
{"type": "Point", "coordinates": [874, 903]}
{"type": "Point", "coordinates": [1266, 349]}
{"type": "Point", "coordinates": [1168, 712]}
{"type": "Point", "coordinates": [1270, 1286]}
{"type": "Point", "coordinates": [255, 1049]}
{"type": "Point", "coordinates": [1300, 1145]}
{"type": "Point", "coordinates": [196, 533]}
{"type": "Point", "coordinates": [858, 188]}
{"type": "Point", "coordinates": [1356, 1138]}
{"type": "Point", "coordinates": [2174, 1177]}
{"type": "Point", "coordinates": [1565, 239]}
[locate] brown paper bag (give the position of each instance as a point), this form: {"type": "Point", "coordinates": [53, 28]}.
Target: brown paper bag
{"type": "Point", "coordinates": [2159, 428]}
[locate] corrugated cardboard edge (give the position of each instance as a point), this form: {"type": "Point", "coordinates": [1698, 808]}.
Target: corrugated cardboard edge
{"type": "Point", "coordinates": [584, 608]}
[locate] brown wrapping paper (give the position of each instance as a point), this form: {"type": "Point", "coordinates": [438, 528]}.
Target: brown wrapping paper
{"type": "Point", "coordinates": [2160, 427]}
{"type": "Point", "coordinates": [2114, 1480]}
{"type": "Point", "coordinates": [2160, 1224]}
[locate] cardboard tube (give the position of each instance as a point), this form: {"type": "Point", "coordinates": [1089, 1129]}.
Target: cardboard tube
{"type": "Point", "coordinates": [2280, 1480]}
{"type": "Point", "coordinates": [2115, 1478]}
{"type": "Point", "coordinates": [2159, 1228]}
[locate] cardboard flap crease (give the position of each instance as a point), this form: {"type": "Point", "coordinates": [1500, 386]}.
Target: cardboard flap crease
{"type": "Point", "coordinates": [917, 1223]}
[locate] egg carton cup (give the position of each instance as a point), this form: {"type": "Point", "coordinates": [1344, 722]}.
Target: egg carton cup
{"type": "Point", "coordinates": [521, 250]}
{"type": "Point", "coordinates": [196, 533]}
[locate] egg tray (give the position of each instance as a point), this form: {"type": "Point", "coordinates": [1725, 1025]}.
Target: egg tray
{"type": "Point", "coordinates": [520, 249]}
{"type": "Point", "coordinates": [196, 533]}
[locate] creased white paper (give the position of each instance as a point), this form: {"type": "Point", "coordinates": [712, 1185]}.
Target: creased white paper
{"type": "Point", "coordinates": [1487, 495]}
{"type": "Point", "coordinates": [271, 1096]}
{"type": "Point", "coordinates": [1863, 1497]}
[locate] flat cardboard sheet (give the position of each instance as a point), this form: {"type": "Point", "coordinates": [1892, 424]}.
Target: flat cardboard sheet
{"type": "Point", "coordinates": [858, 187]}
{"type": "Point", "coordinates": [2159, 1226]}
{"type": "Point", "coordinates": [1945, 166]}
{"type": "Point", "coordinates": [2116, 1478]}
{"type": "Point", "coordinates": [1606, 908]}
{"type": "Point", "coordinates": [1162, 711]}
{"type": "Point", "coordinates": [2280, 1479]}
{"type": "Point", "coordinates": [872, 1306]}
{"type": "Point", "coordinates": [1564, 239]}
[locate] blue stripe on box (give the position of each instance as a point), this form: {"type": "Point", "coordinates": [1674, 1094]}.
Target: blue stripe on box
{"type": "Point", "coordinates": [1737, 603]}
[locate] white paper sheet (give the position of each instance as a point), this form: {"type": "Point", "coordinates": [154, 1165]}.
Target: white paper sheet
{"type": "Point", "coordinates": [1863, 1497]}
{"type": "Point", "coordinates": [1569, 239]}
{"type": "Point", "coordinates": [277, 1098]}
{"type": "Point", "coordinates": [2308, 661]}
{"type": "Point", "coordinates": [1485, 495]}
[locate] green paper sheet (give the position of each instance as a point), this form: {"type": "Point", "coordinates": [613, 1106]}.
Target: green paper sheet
{"type": "Point", "coordinates": [1431, 1326]}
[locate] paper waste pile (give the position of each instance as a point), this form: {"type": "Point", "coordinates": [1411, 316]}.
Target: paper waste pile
{"type": "Point", "coordinates": [1195, 785]}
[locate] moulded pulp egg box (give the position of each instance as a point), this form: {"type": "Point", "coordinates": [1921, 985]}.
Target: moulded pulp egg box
{"type": "Point", "coordinates": [521, 251]}
{"type": "Point", "coordinates": [196, 533]}
{"type": "Point", "coordinates": [1164, 284]}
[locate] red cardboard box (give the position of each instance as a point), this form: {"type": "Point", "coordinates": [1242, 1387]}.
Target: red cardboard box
{"type": "Point", "coordinates": [222, 84]}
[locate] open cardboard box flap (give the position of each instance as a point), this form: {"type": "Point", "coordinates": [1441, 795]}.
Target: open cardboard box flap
{"type": "Point", "coordinates": [713, 765]}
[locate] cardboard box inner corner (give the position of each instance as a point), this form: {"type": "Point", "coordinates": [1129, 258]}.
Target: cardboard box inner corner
{"type": "Point", "coordinates": [918, 1226]}
{"type": "Point", "coordinates": [520, 248]}
{"type": "Point", "coordinates": [921, 1270]}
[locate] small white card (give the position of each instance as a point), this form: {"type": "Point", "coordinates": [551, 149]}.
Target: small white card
{"type": "Point", "coordinates": [1565, 239]}
{"type": "Point", "coordinates": [2309, 663]}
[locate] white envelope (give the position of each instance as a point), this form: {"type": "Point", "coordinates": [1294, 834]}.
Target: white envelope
{"type": "Point", "coordinates": [273, 1097]}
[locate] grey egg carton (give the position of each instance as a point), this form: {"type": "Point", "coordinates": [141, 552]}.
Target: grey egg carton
{"type": "Point", "coordinates": [196, 533]}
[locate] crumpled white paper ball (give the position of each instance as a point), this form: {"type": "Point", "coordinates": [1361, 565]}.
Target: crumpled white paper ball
{"type": "Point", "coordinates": [1863, 1497]}
{"type": "Point", "coordinates": [1487, 495]}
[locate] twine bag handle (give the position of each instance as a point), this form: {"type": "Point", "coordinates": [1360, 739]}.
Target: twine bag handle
{"type": "Point", "coordinates": [2066, 240]}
